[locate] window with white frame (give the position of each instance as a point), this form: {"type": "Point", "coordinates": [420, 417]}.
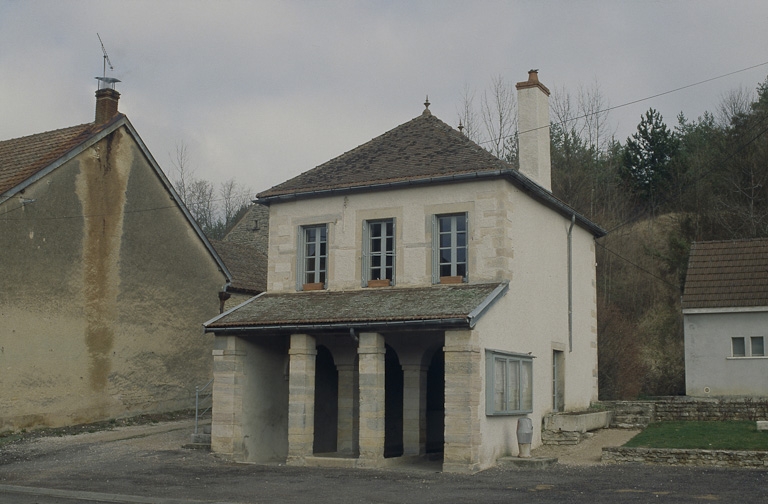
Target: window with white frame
{"type": "Point", "coordinates": [312, 257]}
{"type": "Point", "coordinates": [754, 346]}
{"type": "Point", "coordinates": [379, 252]}
{"type": "Point", "coordinates": [509, 383]}
{"type": "Point", "coordinates": [449, 248]}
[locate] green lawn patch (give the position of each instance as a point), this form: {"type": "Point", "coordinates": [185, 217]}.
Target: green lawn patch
{"type": "Point", "coordinates": [736, 435]}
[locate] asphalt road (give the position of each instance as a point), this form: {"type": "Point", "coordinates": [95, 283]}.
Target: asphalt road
{"type": "Point", "coordinates": [146, 464]}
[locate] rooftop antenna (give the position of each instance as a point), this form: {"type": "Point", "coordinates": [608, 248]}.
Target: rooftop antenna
{"type": "Point", "coordinates": [106, 81]}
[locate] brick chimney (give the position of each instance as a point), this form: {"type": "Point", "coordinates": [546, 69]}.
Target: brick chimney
{"type": "Point", "coordinates": [533, 130]}
{"type": "Point", "coordinates": [106, 105]}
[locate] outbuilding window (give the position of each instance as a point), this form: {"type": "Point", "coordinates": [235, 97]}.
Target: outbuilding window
{"type": "Point", "coordinates": [754, 346]}
{"type": "Point", "coordinates": [509, 383]}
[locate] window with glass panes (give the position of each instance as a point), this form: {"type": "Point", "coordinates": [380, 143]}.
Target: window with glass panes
{"type": "Point", "coordinates": [509, 380]}
{"type": "Point", "coordinates": [314, 254]}
{"type": "Point", "coordinates": [450, 244]}
{"type": "Point", "coordinates": [380, 250]}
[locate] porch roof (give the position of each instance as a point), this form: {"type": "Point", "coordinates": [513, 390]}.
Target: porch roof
{"type": "Point", "coordinates": [438, 306]}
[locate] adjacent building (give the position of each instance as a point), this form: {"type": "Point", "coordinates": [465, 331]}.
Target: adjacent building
{"type": "Point", "coordinates": [105, 278]}
{"type": "Point", "coordinates": [725, 317]}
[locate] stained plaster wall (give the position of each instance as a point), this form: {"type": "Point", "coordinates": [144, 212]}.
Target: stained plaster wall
{"type": "Point", "coordinates": [708, 354]}
{"type": "Point", "coordinates": [511, 237]}
{"type": "Point", "coordinates": [103, 289]}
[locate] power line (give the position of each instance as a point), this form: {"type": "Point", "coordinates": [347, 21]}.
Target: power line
{"type": "Point", "coordinates": [633, 102]}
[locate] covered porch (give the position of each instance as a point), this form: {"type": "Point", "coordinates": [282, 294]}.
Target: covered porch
{"type": "Point", "coordinates": [397, 388]}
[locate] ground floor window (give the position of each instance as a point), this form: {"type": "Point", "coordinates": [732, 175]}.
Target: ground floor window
{"type": "Point", "coordinates": [509, 383]}
{"type": "Point", "coordinates": [754, 346]}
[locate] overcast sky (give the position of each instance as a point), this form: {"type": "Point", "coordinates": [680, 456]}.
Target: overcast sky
{"type": "Point", "coordinates": [261, 91]}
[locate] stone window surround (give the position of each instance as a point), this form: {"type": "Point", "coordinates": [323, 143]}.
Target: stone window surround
{"type": "Point", "coordinates": [454, 247]}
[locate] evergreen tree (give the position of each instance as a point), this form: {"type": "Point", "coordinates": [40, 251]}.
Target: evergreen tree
{"type": "Point", "coordinates": [647, 156]}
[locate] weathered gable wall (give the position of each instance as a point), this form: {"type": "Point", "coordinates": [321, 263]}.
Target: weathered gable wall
{"type": "Point", "coordinates": [103, 289]}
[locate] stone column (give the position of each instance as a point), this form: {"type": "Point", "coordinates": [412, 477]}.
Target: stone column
{"type": "Point", "coordinates": [227, 409]}
{"type": "Point", "coordinates": [301, 398]}
{"type": "Point", "coordinates": [346, 434]}
{"type": "Point", "coordinates": [414, 409]}
{"type": "Point", "coordinates": [371, 364]}
{"type": "Point", "coordinates": [463, 387]}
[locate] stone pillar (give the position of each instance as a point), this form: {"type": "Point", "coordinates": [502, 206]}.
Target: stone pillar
{"type": "Point", "coordinates": [301, 398]}
{"type": "Point", "coordinates": [371, 364]}
{"type": "Point", "coordinates": [463, 388]}
{"type": "Point", "coordinates": [227, 409]}
{"type": "Point", "coordinates": [347, 430]}
{"type": "Point", "coordinates": [414, 409]}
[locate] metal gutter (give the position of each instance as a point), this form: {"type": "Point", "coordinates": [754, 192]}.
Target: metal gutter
{"type": "Point", "coordinates": [489, 301]}
{"type": "Point", "coordinates": [341, 326]}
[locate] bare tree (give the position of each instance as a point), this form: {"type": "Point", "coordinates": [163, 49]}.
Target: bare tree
{"type": "Point", "coordinates": [734, 103]}
{"type": "Point", "coordinates": [213, 214]}
{"type": "Point", "coordinates": [468, 115]}
{"type": "Point", "coordinates": [499, 116]}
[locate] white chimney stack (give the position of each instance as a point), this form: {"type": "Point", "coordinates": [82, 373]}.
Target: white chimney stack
{"type": "Point", "coordinates": [533, 130]}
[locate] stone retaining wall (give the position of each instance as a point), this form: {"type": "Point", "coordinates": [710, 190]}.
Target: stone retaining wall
{"type": "Point", "coordinates": [680, 457]}
{"type": "Point", "coordinates": [632, 414]}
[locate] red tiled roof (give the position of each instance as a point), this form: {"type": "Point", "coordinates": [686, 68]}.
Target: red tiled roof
{"type": "Point", "coordinates": [21, 158]}
{"type": "Point", "coordinates": [727, 274]}
{"type": "Point", "coordinates": [421, 148]}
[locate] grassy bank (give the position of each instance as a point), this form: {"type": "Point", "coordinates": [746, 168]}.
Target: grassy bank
{"type": "Point", "coordinates": [737, 435]}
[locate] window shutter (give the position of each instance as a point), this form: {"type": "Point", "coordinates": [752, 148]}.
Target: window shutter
{"type": "Point", "coordinates": [300, 251]}
{"type": "Point", "coordinates": [394, 251]}
{"type": "Point", "coordinates": [365, 261]}
{"type": "Point", "coordinates": [435, 249]}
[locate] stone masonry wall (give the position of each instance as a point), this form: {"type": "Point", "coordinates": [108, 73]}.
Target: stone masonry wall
{"type": "Point", "coordinates": [631, 414]}
{"type": "Point", "coordinates": [679, 457]}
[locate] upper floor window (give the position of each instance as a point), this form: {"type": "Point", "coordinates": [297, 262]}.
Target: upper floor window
{"type": "Point", "coordinates": [449, 248]}
{"type": "Point", "coordinates": [312, 257]}
{"type": "Point", "coordinates": [378, 252]}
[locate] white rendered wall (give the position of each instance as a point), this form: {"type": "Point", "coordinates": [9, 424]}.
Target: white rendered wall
{"type": "Point", "coordinates": [708, 360]}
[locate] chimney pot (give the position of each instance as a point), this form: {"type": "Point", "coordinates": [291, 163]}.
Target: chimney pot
{"type": "Point", "coordinates": [106, 105]}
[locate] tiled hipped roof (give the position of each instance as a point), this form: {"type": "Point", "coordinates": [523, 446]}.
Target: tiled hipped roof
{"type": "Point", "coordinates": [727, 274]}
{"type": "Point", "coordinates": [21, 158]}
{"type": "Point", "coordinates": [421, 148]}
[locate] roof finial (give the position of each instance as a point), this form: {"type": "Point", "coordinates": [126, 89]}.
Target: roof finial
{"type": "Point", "coordinates": [461, 127]}
{"type": "Point", "coordinates": [426, 103]}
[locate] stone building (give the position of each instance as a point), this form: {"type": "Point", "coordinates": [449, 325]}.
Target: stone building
{"type": "Point", "coordinates": [422, 296]}
{"type": "Point", "coordinates": [105, 279]}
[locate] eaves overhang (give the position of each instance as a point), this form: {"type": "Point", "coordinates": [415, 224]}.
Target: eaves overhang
{"type": "Point", "coordinates": [468, 320]}
{"type": "Point", "coordinates": [513, 176]}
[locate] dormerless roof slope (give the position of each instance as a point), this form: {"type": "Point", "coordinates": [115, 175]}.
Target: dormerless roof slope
{"type": "Point", "coordinates": [247, 265]}
{"type": "Point", "coordinates": [420, 307]}
{"type": "Point", "coordinates": [727, 274]}
{"type": "Point", "coordinates": [425, 150]}
{"type": "Point", "coordinates": [25, 160]}
{"type": "Point", "coordinates": [21, 158]}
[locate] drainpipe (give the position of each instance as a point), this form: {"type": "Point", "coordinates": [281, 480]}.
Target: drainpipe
{"type": "Point", "coordinates": [570, 284]}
